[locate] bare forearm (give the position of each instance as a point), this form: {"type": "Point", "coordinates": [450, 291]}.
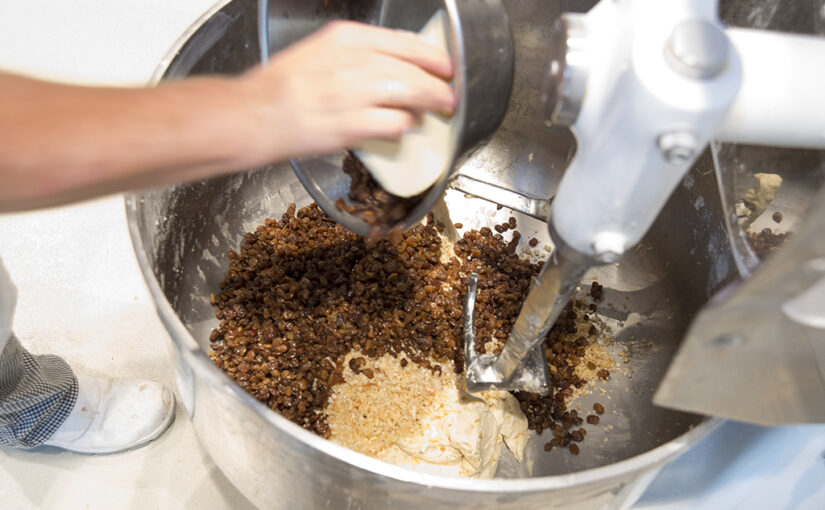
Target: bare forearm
{"type": "Point", "coordinates": [60, 143]}
{"type": "Point", "coordinates": [342, 84]}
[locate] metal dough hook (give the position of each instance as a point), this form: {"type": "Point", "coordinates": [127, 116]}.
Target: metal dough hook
{"type": "Point", "coordinates": [521, 365]}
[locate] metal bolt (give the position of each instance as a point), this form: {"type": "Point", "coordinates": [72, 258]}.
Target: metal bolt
{"type": "Point", "coordinates": [678, 147]}
{"type": "Point", "coordinates": [697, 49]}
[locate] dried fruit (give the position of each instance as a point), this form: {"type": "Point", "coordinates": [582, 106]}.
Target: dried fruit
{"type": "Point", "coordinates": [303, 292]}
{"type": "Point", "coordinates": [372, 203]}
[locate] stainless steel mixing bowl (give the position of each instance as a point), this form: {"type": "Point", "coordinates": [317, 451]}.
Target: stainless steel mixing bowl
{"type": "Point", "coordinates": [182, 234]}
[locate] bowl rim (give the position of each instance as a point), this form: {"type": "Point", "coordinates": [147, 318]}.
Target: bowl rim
{"type": "Point", "coordinates": [198, 361]}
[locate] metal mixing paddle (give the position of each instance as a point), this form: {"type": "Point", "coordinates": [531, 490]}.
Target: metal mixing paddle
{"type": "Point", "coordinates": [521, 365]}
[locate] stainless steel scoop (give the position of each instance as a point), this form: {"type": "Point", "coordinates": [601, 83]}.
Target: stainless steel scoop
{"type": "Point", "coordinates": [483, 57]}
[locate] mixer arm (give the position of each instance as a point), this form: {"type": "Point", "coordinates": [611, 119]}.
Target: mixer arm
{"type": "Point", "coordinates": [645, 85]}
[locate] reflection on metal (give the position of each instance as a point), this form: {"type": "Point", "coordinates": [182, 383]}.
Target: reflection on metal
{"type": "Point", "coordinates": [527, 373]}
{"type": "Point", "coordinates": [753, 354]}
{"type": "Point", "coordinates": [568, 65]}
{"type": "Point", "coordinates": [482, 49]}
{"type": "Point", "coordinates": [521, 365]}
{"type": "Point", "coordinates": [746, 260]}
{"type": "Point", "coordinates": [744, 357]}
{"type": "Point", "coordinates": [534, 207]}
{"type": "Point", "coordinates": [697, 49]}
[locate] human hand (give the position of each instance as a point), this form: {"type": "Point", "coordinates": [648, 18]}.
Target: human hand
{"type": "Point", "coordinates": [343, 84]}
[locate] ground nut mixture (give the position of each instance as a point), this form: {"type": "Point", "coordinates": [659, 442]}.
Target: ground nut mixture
{"type": "Point", "coordinates": [369, 411]}
{"type": "Point", "coordinates": [304, 292]}
{"type": "Point", "coordinates": [411, 416]}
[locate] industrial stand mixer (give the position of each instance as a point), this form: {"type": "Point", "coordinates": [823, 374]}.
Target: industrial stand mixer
{"type": "Point", "coordinates": [181, 236]}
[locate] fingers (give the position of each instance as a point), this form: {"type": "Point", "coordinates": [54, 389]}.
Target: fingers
{"type": "Point", "coordinates": [374, 66]}
{"type": "Point", "coordinates": [377, 122]}
{"type": "Point", "coordinates": [350, 82]}
{"type": "Point", "coordinates": [410, 48]}
{"type": "Point", "coordinates": [404, 85]}
{"type": "Point", "coordinates": [400, 44]}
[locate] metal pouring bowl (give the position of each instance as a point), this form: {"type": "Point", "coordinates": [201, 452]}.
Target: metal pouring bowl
{"type": "Point", "coordinates": [182, 234]}
{"type": "Point", "coordinates": [482, 52]}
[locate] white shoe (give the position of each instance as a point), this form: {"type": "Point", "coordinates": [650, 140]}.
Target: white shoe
{"type": "Point", "coordinates": [112, 415]}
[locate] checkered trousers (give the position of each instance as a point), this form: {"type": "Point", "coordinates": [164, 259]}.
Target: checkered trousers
{"type": "Point", "coordinates": [37, 394]}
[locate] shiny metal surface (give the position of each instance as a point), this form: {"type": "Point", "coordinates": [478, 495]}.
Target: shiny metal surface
{"type": "Point", "coordinates": [778, 358]}
{"type": "Point", "coordinates": [181, 245]}
{"type": "Point", "coordinates": [727, 180]}
{"type": "Point", "coordinates": [535, 207]}
{"type": "Point", "coordinates": [182, 235]}
{"type": "Point", "coordinates": [527, 373]}
{"type": "Point", "coordinates": [697, 49]}
{"type": "Point", "coordinates": [802, 173]}
{"type": "Point", "coordinates": [745, 357]}
{"type": "Point", "coordinates": [565, 79]}
{"type": "Point", "coordinates": [521, 365]}
{"type": "Point", "coordinates": [748, 356]}
{"type": "Point", "coordinates": [482, 53]}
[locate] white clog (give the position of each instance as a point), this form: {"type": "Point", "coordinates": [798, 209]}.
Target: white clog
{"type": "Point", "coordinates": [112, 415]}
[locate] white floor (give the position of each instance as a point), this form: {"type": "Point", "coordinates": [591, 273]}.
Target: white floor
{"type": "Point", "coordinates": [81, 294]}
